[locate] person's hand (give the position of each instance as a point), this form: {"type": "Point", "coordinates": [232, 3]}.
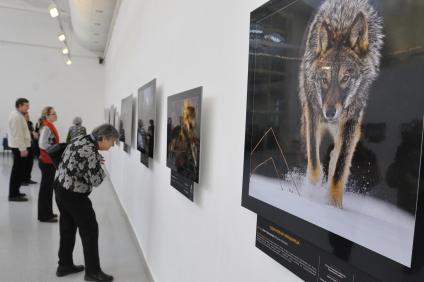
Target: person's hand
{"type": "Point", "coordinates": [24, 154]}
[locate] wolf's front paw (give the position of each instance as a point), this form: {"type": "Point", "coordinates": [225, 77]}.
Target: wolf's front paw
{"type": "Point", "coordinates": [336, 202]}
{"type": "Point", "coordinates": [314, 175]}
{"type": "Point", "coordinates": [335, 194]}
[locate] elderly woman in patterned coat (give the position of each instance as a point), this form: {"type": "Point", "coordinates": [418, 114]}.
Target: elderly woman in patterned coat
{"type": "Point", "coordinates": [79, 171]}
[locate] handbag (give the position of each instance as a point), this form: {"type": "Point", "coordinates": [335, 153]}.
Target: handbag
{"type": "Point", "coordinates": [55, 153]}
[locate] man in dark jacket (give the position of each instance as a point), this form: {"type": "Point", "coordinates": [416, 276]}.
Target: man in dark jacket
{"type": "Point", "coordinates": [30, 158]}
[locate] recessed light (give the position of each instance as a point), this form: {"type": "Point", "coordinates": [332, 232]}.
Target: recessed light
{"type": "Point", "coordinates": [65, 51]}
{"type": "Point", "coordinates": [54, 12]}
{"type": "Point", "coordinates": [61, 37]}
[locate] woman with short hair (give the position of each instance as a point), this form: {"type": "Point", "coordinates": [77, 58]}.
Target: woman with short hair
{"type": "Point", "coordinates": [76, 130]}
{"type": "Point", "coordinates": [49, 136]}
{"type": "Point", "coordinates": [79, 171]}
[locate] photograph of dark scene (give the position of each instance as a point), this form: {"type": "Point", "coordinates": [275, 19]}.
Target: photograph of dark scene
{"type": "Point", "coordinates": [112, 115]}
{"type": "Point", "coordinates": [146, 121]}
{"type": "Point", "coordinates": [106, 114]}
{"type": "Point", "coordinates": [335, 118]}
{"type": "Point", "coordinates": [117, 125]}
{"type": "Point", "coordinates": [183, 126]}
{"type": "Point", "coordinates": [126, 121]}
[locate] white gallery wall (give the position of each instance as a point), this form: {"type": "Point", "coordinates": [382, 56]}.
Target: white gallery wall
{"type": "Point", "coordinates": [186, 44]}
{"type": "Point", "coordinates": [32, 66]}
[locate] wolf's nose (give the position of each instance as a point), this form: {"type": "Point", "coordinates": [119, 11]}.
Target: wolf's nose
{"type": "Point", "coordinates": [330, 112]}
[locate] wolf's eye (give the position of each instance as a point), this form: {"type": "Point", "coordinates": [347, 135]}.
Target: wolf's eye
{"type": "Point", "coordinates": [345, 78]}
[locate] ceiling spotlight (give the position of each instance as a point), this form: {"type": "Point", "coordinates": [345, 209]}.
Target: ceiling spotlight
{"type": "Point", "coordinates": [62, 37]}
{"type": "Point", "coordinates": [65, 51]}
{"type": "Point", "coordinates": [68, 62]}
{"type": "Point", "coordinates": [54, 12]}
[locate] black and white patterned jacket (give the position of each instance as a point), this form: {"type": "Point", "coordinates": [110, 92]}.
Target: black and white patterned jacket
{"type": "Point", "coordinates": [74, 132]}
{"type": "Point", "coordinates": [80, 168]}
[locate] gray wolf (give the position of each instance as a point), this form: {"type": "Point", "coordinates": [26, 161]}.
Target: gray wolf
{"type": "Point", "coordinates": [340, 62]}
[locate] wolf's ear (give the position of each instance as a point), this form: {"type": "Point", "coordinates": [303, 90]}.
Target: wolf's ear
{"type": "Point", "coordinates": [324, 38]}
{"type": "Point", "coordinates": [358, 35]}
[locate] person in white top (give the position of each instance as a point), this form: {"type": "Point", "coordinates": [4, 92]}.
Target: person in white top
{"type": "Point", "coordinates": [19, 141]}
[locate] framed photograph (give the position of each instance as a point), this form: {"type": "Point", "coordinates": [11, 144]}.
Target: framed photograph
{"type": "Point", "coordinates": [183, 126]}
{"type": "Point", "coordinates": [106, 114]}
{"type": "Point", "coordinates": [117, 125]}
{"type": "Point", "coordinates": [146, 121]}
{"type": "Point", "coordinates": [334, 128]}
{"type": "Point", "coordinates": [112, 115]}
{"type": "Point", "coordinates": [126, 125]}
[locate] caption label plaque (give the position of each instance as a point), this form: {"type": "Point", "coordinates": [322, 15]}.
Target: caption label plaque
{"type": "Point", "coordinates": [183, 184]}
{"type": "Point", "coordinates": [302, 258]}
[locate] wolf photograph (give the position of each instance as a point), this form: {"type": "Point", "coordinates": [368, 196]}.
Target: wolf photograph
{"type": "Point", "coordinates": [183, 126]}
{"type": "Point", "coordinates": [334, 125]}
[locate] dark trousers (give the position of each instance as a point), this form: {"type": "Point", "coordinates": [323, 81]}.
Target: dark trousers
{"type": "Point", "coordinates": [18, 173]}
{"type": "Point", "coordinates": [35, 148]}
{"type": "Point", "coordinates": [76, 211]}
{"type": "Point", "coordinates": [28, 164]}
{"type": "Point", "coordinates": [45, 195]}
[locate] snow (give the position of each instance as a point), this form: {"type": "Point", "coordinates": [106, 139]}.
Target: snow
{"type": "Point", "coordinates": [369, 222]}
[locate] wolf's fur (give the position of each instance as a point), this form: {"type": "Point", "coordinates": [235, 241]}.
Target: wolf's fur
{"type": "Point", "coordinates": [341, 60]}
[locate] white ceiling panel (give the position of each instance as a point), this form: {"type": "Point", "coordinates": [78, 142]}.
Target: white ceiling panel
{"type": "Point", "coordinates": [91, 21]}
{"type": "Point", "coordinates": [86, 24]}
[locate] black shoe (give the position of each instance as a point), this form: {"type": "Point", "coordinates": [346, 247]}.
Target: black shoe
{"type": "Point", "coordinates": [98, 277]}
{"type": "Point", "coordinates": [31, 182]}
{"type": "Point", "coordinates": [55, 215]}
{"type": "Point", "coordinates": [21, 194]}
{"type": "Point", "coordinates": [17, 199]}
{"type": "Point", "coordinates": [50, 220]}
{"type": "Point", "coordinates": [63, 270]}
{"type": "Point", "coordinates": [24, 184]}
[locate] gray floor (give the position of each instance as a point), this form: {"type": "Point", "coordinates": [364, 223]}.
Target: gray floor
{"type": "Point", "coordinates": [28, 248]}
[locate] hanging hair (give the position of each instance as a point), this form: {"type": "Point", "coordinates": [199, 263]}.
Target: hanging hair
{"type": "Point", "coordinates": [44, 113]}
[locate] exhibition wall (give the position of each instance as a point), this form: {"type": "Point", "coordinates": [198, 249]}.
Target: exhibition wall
{"type": "Point", "coordinates": [31, 67]}
{"type": "Point", "coordinates": [187, 44]}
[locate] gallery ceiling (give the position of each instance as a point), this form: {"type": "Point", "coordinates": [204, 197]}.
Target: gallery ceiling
{"type": "Point", "coordinates": [89, 21]}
